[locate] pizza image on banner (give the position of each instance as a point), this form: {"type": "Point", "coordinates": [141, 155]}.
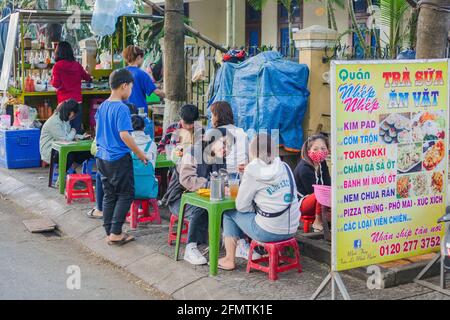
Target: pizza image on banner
{"type": "Point", "coordinates": [389, 164]}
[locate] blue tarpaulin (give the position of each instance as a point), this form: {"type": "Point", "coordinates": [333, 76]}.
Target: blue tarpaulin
{"type": "Point", "coordinates": [266, 92]}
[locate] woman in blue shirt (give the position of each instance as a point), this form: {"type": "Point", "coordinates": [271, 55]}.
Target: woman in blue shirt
{"type": "Point", "coordinates": [143, 84]}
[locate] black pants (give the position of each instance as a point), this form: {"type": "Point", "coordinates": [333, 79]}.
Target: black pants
{"type": "Point", "coordinates": [118, 185]}
{"type": "Point", "coordinates": [73, 157]}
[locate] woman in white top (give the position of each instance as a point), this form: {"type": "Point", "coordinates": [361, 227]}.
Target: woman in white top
{"type": "Point", "coordinates": [222, 117]}
{"type": "Point", "coordinates": [57, 128]}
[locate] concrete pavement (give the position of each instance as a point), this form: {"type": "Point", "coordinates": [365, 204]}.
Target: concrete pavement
{"type": "Point", "coordinates": [35, 266]}
{"type": "Point", "coordinates": [150, 258]}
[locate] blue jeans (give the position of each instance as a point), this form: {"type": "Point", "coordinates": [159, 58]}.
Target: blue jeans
{"type": "Point", "coordinates": [99, 194]}
{"type": "Point", "coordinates": [198, 222]}
{"type": "Point", "coordinates": [236, 224]}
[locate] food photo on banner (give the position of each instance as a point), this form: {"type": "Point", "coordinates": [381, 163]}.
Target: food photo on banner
{"type": "Point", "coordinates": [390, 132]}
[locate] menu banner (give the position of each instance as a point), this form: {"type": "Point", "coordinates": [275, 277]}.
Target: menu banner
{"type": "Point", "coordinates": [390, 159]}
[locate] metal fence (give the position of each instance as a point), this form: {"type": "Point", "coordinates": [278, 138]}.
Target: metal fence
{"type": "Point", "coordinates": [198, 92]}
{"type": "Point", "coordinates": [348, 52]}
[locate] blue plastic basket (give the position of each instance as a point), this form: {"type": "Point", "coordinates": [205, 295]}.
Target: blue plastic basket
{"type": "Point", "coordinates": [20, 148]}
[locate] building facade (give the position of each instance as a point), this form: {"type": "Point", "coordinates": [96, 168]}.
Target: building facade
{"type": "Point", "coordinates": [257, 28]}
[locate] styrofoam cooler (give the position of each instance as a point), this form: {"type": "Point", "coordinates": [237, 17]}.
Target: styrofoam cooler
{"type": "Point", "coordinates": [20, 148]}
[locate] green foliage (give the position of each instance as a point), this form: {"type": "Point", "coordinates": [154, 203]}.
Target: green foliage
{"type": "Point", "coordinates": [22, 4]}
{"type": "Point", "coordinates": [392, 14]}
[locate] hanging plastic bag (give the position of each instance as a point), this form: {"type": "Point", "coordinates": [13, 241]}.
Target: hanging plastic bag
{"type": "Point", "coordinates": [105, 15]}
{"type": "Point", "coordinates": [199, 68]}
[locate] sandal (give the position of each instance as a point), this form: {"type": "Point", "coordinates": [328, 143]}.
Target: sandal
{"type": "Point", "coordinates": [219, 266]}
{"type": "Point", "coordinates": [91, 215]}
{"type": "Point", "coordinates": [125, 239]}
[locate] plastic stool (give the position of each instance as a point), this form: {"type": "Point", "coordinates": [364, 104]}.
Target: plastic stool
{"type": "Point", "coordinates": [55, 174]}
{"type": "Point", "coordinates": [307, 222]}
{"type": "Point", "coordinates": [276, 256]}
{"type": "Point", "coordinates": [173, 233]}
{"type": "Point", "coordinates": [71, 193]}
{"type": "Point", "coordinates": [140, 212]}
{"type": "Point", "coordinates": [88, 168]}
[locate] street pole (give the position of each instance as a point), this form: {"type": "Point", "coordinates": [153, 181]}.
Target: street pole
{"type": "Point", "coordinates": [174, 74]}
{"type": "Point", "coordinates": [231, 28]}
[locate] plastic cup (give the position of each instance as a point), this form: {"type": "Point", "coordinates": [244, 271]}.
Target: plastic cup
{"type": "Point", "coordinates": [234, 188]}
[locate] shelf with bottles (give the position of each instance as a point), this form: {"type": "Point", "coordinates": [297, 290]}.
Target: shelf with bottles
{"type": "Point", "coordinates": [41, 49]}
{"type": "Point", "coordinates": [38, 59]}
{"type": "Point", "coordinates": [44, 111]}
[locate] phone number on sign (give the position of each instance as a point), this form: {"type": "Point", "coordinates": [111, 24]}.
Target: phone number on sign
{"type": "Point", "coordinates": [407, 246]}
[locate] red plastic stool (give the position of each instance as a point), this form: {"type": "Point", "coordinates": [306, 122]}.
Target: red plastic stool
{"type": "Point", "coordinates": [276, 256]}
{"type": "Point", "coordinates": [307, 222]}
{"type": "Point", "coordinates": [71, 193]}
{"type": "Point", "coordinates": [173, 234]}
{"type": "Point", "coordinates": [138, 215]}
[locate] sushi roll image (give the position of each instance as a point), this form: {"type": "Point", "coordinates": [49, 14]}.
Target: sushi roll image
{"type": "Point", "coordinates": [393, 133]}
{"type": "Point", "coordinates": [384, 126]}
{"type": "Point", "coordinates": [382, 133]}
{"type": "Point", "coordinates": [387, 139]}
{"type": "Point", "coordinates": [390, 120]}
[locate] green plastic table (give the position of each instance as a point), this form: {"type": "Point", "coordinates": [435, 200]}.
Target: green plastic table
{"type": "Point", "coordinates": [162, 166]}
{"type": "Point", "coordinates": [215, 210]}
{"type": "Point", "coordinates": [64, 148]}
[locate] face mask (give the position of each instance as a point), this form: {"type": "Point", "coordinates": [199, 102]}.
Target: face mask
{"type": "Point", "coordinates": [318, 156]}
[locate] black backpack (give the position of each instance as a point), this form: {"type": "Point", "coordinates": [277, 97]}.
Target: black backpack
{"type": "Point", "coordinates": [174, 189]}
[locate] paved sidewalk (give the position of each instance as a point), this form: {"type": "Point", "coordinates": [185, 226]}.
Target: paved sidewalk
{"type": "Point", "coordinates": [151, 258]}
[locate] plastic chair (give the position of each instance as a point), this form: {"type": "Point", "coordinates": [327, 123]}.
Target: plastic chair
{"type": "Point", "coordinates": [86, 193]}
{"type": "Point", "coordinates": [173, 232]}
{"type": "Point", "coordinates": [88, 168]}
{"type": "Point", "coordinates": [276, 256]}
{"type": "Point", "coordinates": [140, 212]}
{"type": "Point", "coordinates": [307, 222]}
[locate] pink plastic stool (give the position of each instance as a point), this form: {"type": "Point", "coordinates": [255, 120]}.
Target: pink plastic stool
{"type": "Point", "coordinates": [275, 250]}
{"type": "Point", "coordinates": [71, 193]}
{"type": "Point", "coordinates": [173, 233]}
{"type": "Point", "coordinates": [137, 215]}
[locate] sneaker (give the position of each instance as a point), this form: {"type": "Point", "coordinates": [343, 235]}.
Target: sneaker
{"type": "Point", "coordinates": [193, 255]}
{"type": "Point", "coordinates": [242, 250]}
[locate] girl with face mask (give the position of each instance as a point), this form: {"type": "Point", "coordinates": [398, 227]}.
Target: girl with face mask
{"type": "Point", "coordinates": [312, 169]}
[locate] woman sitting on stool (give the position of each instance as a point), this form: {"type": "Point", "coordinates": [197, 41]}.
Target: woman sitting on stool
{"type": "Point", "coordinates": [312, 169]}
{"type": "Point", "coordinates": [267, 206]}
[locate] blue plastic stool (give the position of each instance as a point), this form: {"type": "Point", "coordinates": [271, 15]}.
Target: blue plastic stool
{"type": "Point", "coordinates": [55, 173]}
{"type": "Point", "coordinates": [88, 168]}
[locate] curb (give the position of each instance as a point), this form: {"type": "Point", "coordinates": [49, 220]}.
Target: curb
{"type": "Point", "coordinates": [157, 270]}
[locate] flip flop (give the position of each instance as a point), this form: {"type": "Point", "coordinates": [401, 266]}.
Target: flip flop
{"type": "Point", "coordinates": [90, 214]}
{"type": "Point", "coordinates": [126, 238]}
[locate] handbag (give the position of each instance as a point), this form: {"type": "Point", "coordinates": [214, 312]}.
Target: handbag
{"type": "Point", "coordinates": [145, 182]}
